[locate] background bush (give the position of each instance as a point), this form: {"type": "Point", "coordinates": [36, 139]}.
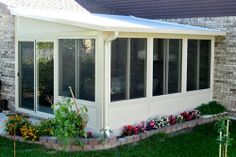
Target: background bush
{"type": "Point", "coordinates": [210, 108]}
{"type": "Point", "coordinates": [46, 127]}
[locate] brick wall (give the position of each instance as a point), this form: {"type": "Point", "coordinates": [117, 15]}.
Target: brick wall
{"type": "Point", "coordinates": [225, 56]}
{"type": "Point", "coordinates": [7, 55]}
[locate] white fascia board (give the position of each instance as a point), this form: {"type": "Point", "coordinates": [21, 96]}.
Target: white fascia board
{"type": "Point", "coordinates": [166, 31]}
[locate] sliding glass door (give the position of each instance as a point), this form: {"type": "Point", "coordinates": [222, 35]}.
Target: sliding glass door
{"type": "Point", "coordinates": [36, 71]}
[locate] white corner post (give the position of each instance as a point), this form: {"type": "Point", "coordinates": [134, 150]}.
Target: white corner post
{"type": "Point", "coordinates": [107, 80]}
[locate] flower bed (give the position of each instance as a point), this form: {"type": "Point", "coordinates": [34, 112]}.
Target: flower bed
{"type": "Point", "coordinates": [112, 142]}
{"type": "Point", "coordinates": [159, 122]}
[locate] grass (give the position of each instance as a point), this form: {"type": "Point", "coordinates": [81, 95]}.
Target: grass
{"type": "Point", "coordinates": [201, 142]}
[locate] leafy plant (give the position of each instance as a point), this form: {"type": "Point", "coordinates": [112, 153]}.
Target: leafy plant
{"type": "Point", "coordinates": [224, 140]}
{"type": "Point", "coordinates": [14, 123]}
{"type": "Point", "coordinates": [210, 108]}
{"type": "Point", "coordinates": [69, 123]}
{"type": "Point", "coordinates": [29, 132]}
{"type": "Point", "coordinates": [46, 127]}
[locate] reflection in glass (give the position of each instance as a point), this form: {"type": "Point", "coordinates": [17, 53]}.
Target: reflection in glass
{"type": "Point", "coordinates": [77, 68]}
{"type": "Point", "coordinates": [167, 66]}
{"type": "Point", "coordinates": [192, 65]}
{"type": "Point", "coordinates": [158, 67]}
{"type": "Point", "coordinates": [119, 69]}
{"type": "Point", "coordinates": [26, 75]}
{"type": "Point", "coordinates": [66, 66]}
{"type": "Point", "coordinates": [128, 68]}
{"type": "Point", "coordinates": [138, 54]}
{"type": "Point", "coordinates": [205, 64]}
{"type": "Point", "coordinates": [175, 66]}
{"type": "Point", "coordinates": [199, 60]}
{"type": "Point", "coordinates": [45, 75]}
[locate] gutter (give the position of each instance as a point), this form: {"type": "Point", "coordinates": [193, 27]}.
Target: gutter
{"type": "Point", "coordinates": [113, 37]}
{"type": "Point", "coordinates": [106, 91]}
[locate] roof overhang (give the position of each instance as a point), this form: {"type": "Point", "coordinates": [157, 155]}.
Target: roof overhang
{"type": "Point", "coordinates": [103, 22]}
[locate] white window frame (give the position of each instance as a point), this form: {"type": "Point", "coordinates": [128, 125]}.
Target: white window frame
{"type": "Point", "coordinates": [166, 65]}
{"type": "Point", "coordinates": [81, 101]}
{"type": "Point", "coordinates": [17, 90]}
{"type": "Point", "coordinates": [198, 63]}
{"type": "Point", "coordinates": [128, 68]}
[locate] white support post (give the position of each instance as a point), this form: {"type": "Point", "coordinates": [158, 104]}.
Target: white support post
{"type": "Point", "coordinates": [149, 68]}
{"type": "Point", "coordinates": [107, 85]}
{"type": "Point", "coordinates": [184, 65]}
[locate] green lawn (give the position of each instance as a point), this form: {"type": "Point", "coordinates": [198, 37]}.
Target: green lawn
{"type": "Point", "coordinates": [201, 142]}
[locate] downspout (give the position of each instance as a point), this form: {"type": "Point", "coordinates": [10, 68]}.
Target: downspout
{"type": "Point", "coordinates": [106, 81]}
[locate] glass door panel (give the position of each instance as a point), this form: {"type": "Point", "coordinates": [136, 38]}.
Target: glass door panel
{"type": "Point", "coordinates": [45, 75]}
{"type": "Point", "coordinates": [26, 75]}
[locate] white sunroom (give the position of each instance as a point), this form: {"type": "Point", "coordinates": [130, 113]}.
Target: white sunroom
{"type": "Point", "coordinates": [122, 68]}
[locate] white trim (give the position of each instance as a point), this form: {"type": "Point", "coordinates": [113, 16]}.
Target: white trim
{"type": "Point", "coordinates": [149, 68]}
{"type": "Point", "coordinates": [184, 65]}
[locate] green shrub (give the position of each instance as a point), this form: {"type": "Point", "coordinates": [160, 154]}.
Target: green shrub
{"type": "Point", "coordinates": [69, 123]}
{"type": "Point", "coordinates": [14, 123]}
{"type": "Point", "coordinates": [46, 127]}
{"type": "Point", "coordinates": [210, 108]}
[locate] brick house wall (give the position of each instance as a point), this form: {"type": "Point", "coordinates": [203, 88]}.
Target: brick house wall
{"type": "Point", "coordinates": [7, 55]}
{"type": "Point", "coordinates": [225, 56]}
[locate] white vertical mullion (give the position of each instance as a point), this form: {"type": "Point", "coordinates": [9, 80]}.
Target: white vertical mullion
{"type": "Point", "coordinates": [76, 68]}
{"type": "Point", "coordinates": [212, 63]}
{"type": "Point", "coordinates": [164, 66]}
{"type": "Point", "coordinates": [128, 69]}
{"type": "Point", "coordinates": [198, 63]}
{"type": "Point", "coordinates": [149, 72]}
{"type": "Point", "coordinates": [35, 79]}
{"type": "Point", "coordinates": [56, 68]}
{"type": "Point", "coordinates": [184, 65]}
{"type": "Point", "coordinates": [167, 66]}
{"type": "Point", "coordinates": [149, 68]}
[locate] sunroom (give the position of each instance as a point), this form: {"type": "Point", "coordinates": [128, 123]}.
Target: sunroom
{"type": "Point", "coordinates": [122, 68]}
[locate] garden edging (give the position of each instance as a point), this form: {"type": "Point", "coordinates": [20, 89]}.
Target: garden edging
{"type": "Point", "coordinates": [112, 142]}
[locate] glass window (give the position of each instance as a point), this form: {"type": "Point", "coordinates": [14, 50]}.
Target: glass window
{"type": "Point", "coordinates": [77, 68]}
{"type": "Point", "coordinates": [167, 65]}
{"type": "Point", "coordinates": [45, 76]}
{"type": "Point", "coordinates": [26, 75]}
{"type": "Point", "coordinates": [199, 60]}
{"type": "Point", "coordinates": [128, 68]}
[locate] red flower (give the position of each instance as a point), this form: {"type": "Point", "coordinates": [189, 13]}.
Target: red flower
{"type": "Point", "coordinates": [172, 120]}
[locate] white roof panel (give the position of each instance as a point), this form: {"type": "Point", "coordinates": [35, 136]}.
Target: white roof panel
{"type": "Point", "coordinates": [106, 22]}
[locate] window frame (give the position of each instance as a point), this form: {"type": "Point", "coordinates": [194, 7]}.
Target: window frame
{"type": "Point", "coordinates": [166, 65]}
{"type": "Point", "coordinates": [211, 63]}
{"type": "Point", "coordinates": [87, 102]}
{"type": "Point", "coordinates": [128, 70]}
